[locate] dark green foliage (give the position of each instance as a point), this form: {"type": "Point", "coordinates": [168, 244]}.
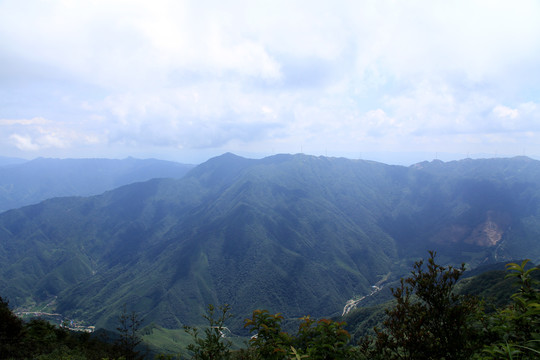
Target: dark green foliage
{"type": "Point", "coordinates": [38, 339]}
{"type": "Point", "coordinates": [316, 339]}
{"type": "Point", "coordinates": [268, 341]}
{"type": "Point", "coordinates": [361, 321]}
{"type": "Point", "coordinates": [11, 331]}
{"type": "Point", "coordinates": [493, 286]}
{"type": "Point", "coordinates": [45, 341]}
{"type": "Point", "coordinates": [128, 342]}
{"type": "Point", "coordinates": [429, 321]}
{"type": "Point", "coordinates": [42, 337]}
{"type": "Point", "coordinates": [515, 330]}
{"type": "Point", "coordinates": [213, 345]}
{"type": "Point", "coordinates": [324, 339]}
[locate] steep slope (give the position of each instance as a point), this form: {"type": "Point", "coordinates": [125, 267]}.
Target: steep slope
{"type": "Point", "coordinates": [33, 181]}
{"type": "Point", "coordinates": [463, 206]}
{"type": "Point", "coordinates": [290, 233]}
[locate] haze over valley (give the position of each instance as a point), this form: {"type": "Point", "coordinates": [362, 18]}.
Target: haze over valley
{"type": "Point", "coordinates": [297, 234]}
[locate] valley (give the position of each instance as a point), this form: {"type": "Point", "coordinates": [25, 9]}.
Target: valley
{"type": "Point", "coordinates": [296, 234]}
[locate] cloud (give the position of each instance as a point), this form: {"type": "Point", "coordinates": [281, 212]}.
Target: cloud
{"type": "Point", "coordinates": [127, 44]}
{"type": "Point", "coordinates": [192, 117]}
{"type": "Point", "coordinates": [24, 142]}
{"type": "Point", "coordinates": [505, 112]}
{"type": "Point", "coordinates": [24, 122]}
{"type": "Point", "coordinates": [188, 74]}
{"type": "Point", "coordinates": [120, 43]}
{"type": "Point", "coordinates": [40, 133]}
{"type": "Point", "coordinates": [525, 118]}
{"type": "Point", "coordinates": [380, 124]}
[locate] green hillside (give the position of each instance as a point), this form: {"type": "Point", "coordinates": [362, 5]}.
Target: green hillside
{"type": "Point", "coordinates": [291, 233]}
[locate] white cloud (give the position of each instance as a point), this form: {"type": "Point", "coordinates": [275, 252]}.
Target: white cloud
{"type": "Point", "coordinates": [525, 118]}
{"type": "Point", "coordinates": [505, 112]}
{"type": "Point", "coordinates": [39, 133]}
{"type": "Point", "coordinates": [24, 142]}
{"type": "Point", "coordinates": [26, 122]}
{"type": "Point", "coordinates": [188, 74]}
{"type": "Point", "coordinates": [380, 124]}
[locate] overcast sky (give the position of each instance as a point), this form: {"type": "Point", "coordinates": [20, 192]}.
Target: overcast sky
{"type": "Point", "coordinates": [393, 81]}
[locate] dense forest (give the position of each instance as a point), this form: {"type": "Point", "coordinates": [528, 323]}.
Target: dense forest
{"type": "Point", "coordinates": [427, 319]}
{"type": "Point", "coordinates": [312, 256]}
{"type": "Point", "coordinates": [294, 234]}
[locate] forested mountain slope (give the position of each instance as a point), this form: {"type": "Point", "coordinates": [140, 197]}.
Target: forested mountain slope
{"type": "Point", "coordinates": [291, 233]}
{"type": "Point", "coordinates": [29, 182]}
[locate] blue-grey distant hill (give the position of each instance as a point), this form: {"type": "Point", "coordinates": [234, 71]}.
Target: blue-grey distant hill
{"type": "Point", "coordinates": [4, 160]}
{"type": "Point", "coordinates": [29, 182]}
{"type": "Point", "coordinates": [290, 233]}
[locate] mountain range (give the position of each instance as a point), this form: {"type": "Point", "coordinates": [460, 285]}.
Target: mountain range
{"type": "Point", "coordinates": [296, 234]}
{"type": "Point", "coordinates": [29, 182]}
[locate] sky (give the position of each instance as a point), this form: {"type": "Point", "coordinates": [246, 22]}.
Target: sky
{"type": "Point", "coordinates": [391, 81]}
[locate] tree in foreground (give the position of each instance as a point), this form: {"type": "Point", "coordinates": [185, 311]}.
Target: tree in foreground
{"type": "Point", "coordinates": [129, 340]}
{"type": "Point", "coordinates": [324, 339]}
{"type": "Point", "coordinates": [213, 345]}
{"type": "Point", "coordinates": [39, 339]}
{"type": "Point", "coordinates": [11, 331]}
{"type": "Point", "coordinates": [268, 341]}
{"type": "Point", "coordinates": [429, 321]}
{"type": "Point", "coordinates": [517, 327]}
{"type": "Point", "coordinates": [316, 339]}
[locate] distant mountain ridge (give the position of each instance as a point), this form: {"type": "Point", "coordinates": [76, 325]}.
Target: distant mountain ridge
{"type": "Point", "coordinates": [29, 182]}
{"type": "Point", "coordinates": [292, 233]}
{"type": "Point", "coordinates": [4, 160]}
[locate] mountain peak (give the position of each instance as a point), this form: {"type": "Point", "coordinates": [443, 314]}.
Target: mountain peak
{"type": "Point", "coordinates": [220, 170]}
